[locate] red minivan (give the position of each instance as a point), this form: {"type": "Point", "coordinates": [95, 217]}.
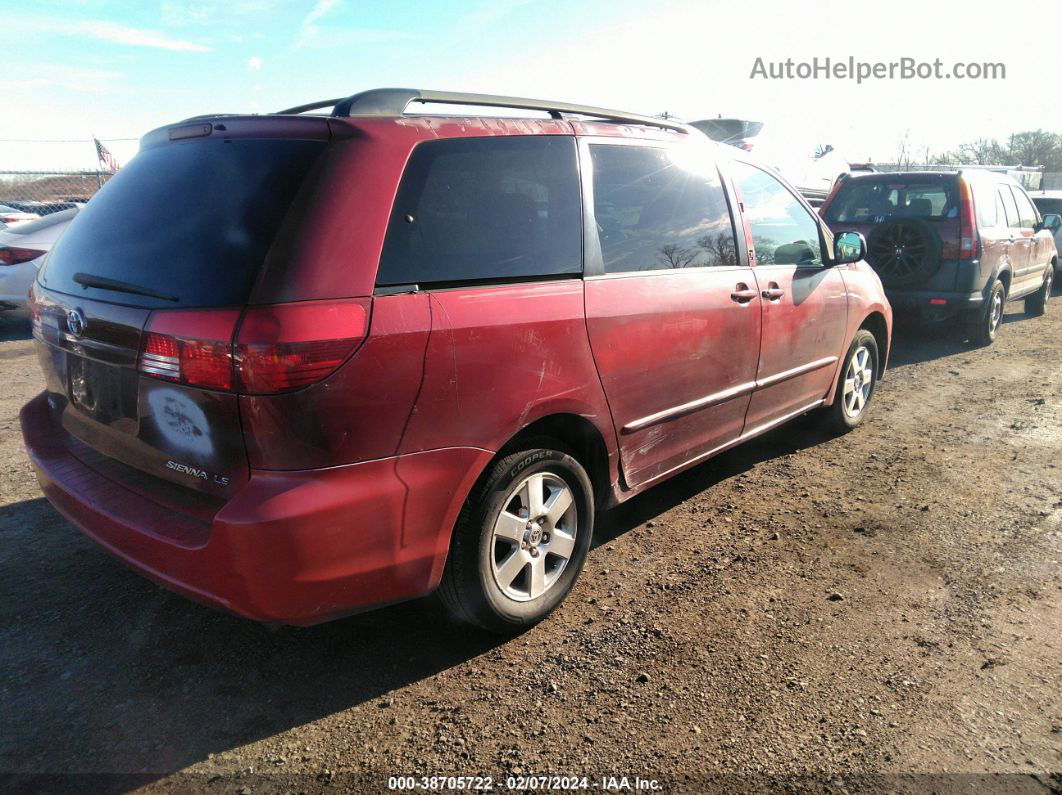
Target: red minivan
{"type": "Point", "coordinates": [299, 365]}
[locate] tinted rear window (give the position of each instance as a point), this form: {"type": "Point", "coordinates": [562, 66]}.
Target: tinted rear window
{"type": "Point", "coordinates": [485, 209]}
{"type": "Point", "coordinates": [874, 201]}
{"type": "Point", "coordinates": [1047, 205]}
{"type": "Point", "coordinates": [191, 220]}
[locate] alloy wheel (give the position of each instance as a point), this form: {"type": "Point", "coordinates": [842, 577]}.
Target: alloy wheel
{"type": "Point", "coordinates": [858, 381]}
{"type": "Point", "coordinates": [995, 315]}
{"type": "Point", "coordinates": [534, 536]}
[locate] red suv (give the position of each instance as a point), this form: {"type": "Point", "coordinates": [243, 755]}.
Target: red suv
{"type": "Point", "coordinates": [301, 365]}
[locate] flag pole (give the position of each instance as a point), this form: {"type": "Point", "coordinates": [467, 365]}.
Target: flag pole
{"type": "Point", "coordinates": [99, 175]}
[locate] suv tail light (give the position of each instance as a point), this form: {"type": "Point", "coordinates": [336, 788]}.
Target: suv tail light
{"type": "Point", "coordinates": [269, 349]}
{"type": "Point", "coordinates": [12, 255]}
{"type": "Point", "coordinates": [969, 240]}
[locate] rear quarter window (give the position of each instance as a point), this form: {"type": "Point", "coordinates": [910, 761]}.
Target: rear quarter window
{"type": "Point", "coordinates": [485, 209]}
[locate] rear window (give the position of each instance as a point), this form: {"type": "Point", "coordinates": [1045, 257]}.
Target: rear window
{"type": "Point", "coordinates": [873, 201]}
{"type": "Point", "coordinates": [190, 221]}
{"type": "Point", "coordinates": [485, 209]}
{"type": "Point", "coordinates": [1048, 205]}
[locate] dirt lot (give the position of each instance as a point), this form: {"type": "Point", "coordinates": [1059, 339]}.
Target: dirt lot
{"type": "Point", "coordinates": [841, 609]}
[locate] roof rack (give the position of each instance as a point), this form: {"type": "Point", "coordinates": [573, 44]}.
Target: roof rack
{"type": "Point", "coordinates": [394, 101]}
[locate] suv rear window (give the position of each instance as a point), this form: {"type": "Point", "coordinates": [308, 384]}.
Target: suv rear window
{"type": "Point", "coordinates": [192, 221]}
{"type": "Point", "coordinates": [485, 209]}
{"type": "Point", "coordinates": [872, 201]}
{"type": "Point", "coordinates": [1048, 205]}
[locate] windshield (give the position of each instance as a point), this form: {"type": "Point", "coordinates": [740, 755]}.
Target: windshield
{"type": "Point", "coordinates": [873, 201]}
{"type": "Point", "coordinates": [189, 221]}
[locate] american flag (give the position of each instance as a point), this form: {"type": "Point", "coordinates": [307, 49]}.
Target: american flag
{"type": "Point", "coordinates": [106, 158]}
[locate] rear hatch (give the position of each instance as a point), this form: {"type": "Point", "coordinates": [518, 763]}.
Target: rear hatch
{"type": "Point", "coordinates": [911, 223]}
{"type": "Point", "coordinates": [167, 251]}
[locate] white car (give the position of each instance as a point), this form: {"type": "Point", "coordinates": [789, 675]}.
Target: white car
{"type": "Point", "coordinates": [22, 249]}
{"type": "Point", "coordinates": [10, 216]}
{"type": "Point", "coordinates": [811, 167]}
{"type": "Point", "coordinates": [1050, 201]}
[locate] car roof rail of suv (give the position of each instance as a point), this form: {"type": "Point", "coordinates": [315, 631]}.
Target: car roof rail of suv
{"type": "Point", "coordinates": [394, 101]}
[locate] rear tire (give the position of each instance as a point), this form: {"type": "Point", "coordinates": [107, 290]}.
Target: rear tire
{"type": "Point", "coordinates": [1036, 304]}
{"type": "Point", "coordinates": [521, 539]}
{"type": "Point", "coordinates": [985, 322]}
{"type": "Point", "coordinates": [855, 385]}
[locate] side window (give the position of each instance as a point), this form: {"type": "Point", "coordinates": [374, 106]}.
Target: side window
{"type": "Point", "coordinates": [783, 231]}
{"type": "Point", "coordinates": [1009, 206]}
{"type": "Point", "coordinates": [653, 213]}
{"type": "Point", "coordinates": [987, 206]}
{"type": "Point", "coordinates": [1026, 211]}
{"type": "Point", "coordinates": [477, 209]}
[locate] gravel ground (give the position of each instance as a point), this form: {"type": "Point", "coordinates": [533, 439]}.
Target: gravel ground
{"type": "Point", "coordinates": [883, 609]}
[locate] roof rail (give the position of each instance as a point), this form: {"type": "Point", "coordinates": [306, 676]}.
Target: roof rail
{"type": "Point", "coordinates": [394, 101]}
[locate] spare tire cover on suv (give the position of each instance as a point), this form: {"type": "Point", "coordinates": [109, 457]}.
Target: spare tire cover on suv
{"type": "Point", "coordinates": [904, 251]}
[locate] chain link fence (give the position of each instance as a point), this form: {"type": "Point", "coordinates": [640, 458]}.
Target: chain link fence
{"type": "Point", "coordinates": [42, 192]}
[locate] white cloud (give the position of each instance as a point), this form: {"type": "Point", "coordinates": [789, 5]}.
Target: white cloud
{"type": "Point", "coordinates": [134, 37]}
{"type": "Point", "coordinates": [320, 8]}
{"type": "Point", "coordinates": [254, 63]}
{"type": "Point", "coordinates": [88, 81]}
{"type": "Point", "coordinates": [101, 30]}
{"type": "Point", "coordinates": [308, 30]}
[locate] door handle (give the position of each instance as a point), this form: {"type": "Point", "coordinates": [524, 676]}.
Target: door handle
{"type": "Point", "coordinates": [773, 292]}
{"type": "Point", "coordinates": [743, 294]}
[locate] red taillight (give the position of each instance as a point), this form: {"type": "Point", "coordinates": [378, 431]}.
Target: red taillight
{"type": "Point", "coordinates": [12, 255]}
{"type": "Point", "coordinates": [191, 347]}
{"type": "Point", "coordinates": [277, 348]}
{"type": "Point", "coordinates": [969, 240]}
{"type": "Point", "coordinates": [289, 346]}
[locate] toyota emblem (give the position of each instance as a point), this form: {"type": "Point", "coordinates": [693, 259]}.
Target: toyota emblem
{"type": "Point", "coordinates": [75, 321]}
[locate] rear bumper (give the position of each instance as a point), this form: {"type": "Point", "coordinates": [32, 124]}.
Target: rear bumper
{"type": "Point", "coordinates": [289, 547]}
{"type": "Point", "coordinates": [933, 304]}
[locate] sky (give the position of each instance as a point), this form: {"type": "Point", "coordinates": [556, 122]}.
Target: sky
{"type": "Point", "coordinates": [114, 69]}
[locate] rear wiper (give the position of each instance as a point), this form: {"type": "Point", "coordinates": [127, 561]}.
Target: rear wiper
{"type": "Point", "coordinates": [88, 280]}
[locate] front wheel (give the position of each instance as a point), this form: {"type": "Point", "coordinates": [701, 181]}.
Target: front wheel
{"type": "Point", "coordinates": [1036, 304]}
{"type": "Point", "coordinates": [521, 540]}
{"type": "Point", "coordinates": [855, 387]}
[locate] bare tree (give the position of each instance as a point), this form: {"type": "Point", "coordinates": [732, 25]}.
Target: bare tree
{"type": "Point", "coordinates": [675, 256]}
{"type": "Point", "coordinates": [720, 248]}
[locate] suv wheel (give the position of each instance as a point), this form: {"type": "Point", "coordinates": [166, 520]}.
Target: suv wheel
{"type": "Point", "coordinates": [521, 540]}
{"type": "Point", "coordinates": [1036, 304]}
{"type": "Point", "coordinates": [985, 322]}
{"type": "Point", "coordinates": [855, 387]}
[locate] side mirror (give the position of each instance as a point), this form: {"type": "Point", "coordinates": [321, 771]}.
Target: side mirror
{"type": "Point", "coordinates": [1052, 222]}
{"type": "Point", "coordinates": [849, 247]}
